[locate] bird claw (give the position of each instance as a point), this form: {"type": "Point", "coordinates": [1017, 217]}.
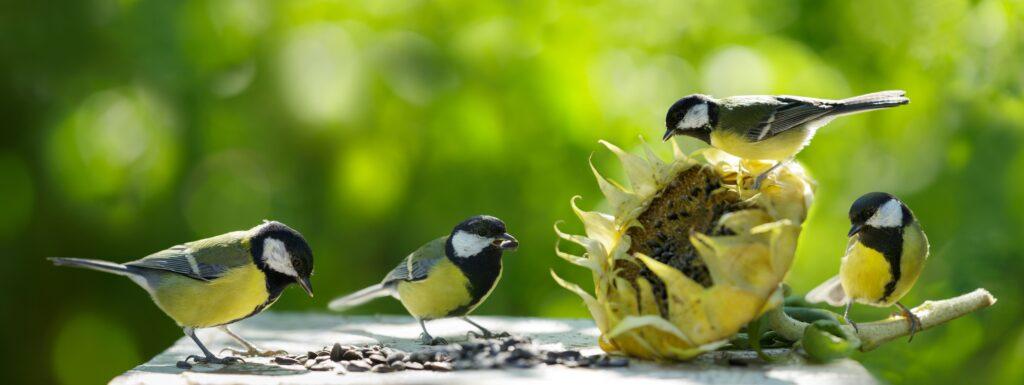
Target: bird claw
{"type": "Point", "coordinates": [915, 323]}
{"type": "Point", "coordinates": [760, 179]}
{"type": "Point", "coordinates": [426, 339]}
{"type": "Point", "coordinates": [229, 360]}
{"type": "Point", "coordinates": [254, 352]}
{"type": "Point", "coordinates": [854, 324]}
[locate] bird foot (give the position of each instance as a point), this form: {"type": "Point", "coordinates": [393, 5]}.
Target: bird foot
{"type": "Point", "coordinates": [488, 335]}
{"type": "Point", "coordinates": [760, 179]}
{"type": "Point", "coordinates": [854, 324]}
{"type": "Point", "coordinates": [426, 339]}
{"type": "Point", "coordinates": [229, 360]}
{"type": "Point", "coordinates": [254, 352]}
{"type": "Point", "coordinates": [764, 175]}
{"type": "Point", "coordinates": [915, 323]}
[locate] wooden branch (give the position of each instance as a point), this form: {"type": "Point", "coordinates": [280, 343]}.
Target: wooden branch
{"type": "Point", "coordinates": [874, 334]}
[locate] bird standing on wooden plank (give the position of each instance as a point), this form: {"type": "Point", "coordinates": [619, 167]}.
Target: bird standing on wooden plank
{"type": "Point", "coordinates": [218, 281]}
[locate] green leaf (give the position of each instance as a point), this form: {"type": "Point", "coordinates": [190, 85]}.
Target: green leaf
{"type": "Point", "coordinates": [756, 330]}
{"type": "Point", "coordinates": [825, 341]}
{"type": "Point", "coordinates": [808, 314]}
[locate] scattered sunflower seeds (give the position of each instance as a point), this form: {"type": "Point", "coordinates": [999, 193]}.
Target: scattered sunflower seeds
{"type": "Point", "coordinates": [508, 352]}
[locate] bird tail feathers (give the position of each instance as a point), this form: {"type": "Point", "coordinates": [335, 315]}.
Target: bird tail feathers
{"type": "Point", "coordinates": [359, 297]}
{"type": "Point", "coordinates": [830, 292]}
{"type": "Point", "coordinates": [873, 101]}
{"type": "Point", "coordinates": [93, 264]}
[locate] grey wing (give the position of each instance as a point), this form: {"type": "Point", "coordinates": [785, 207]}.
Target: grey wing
{"type": "Point", "coordinates": [417, 265]}
{"type": "Point", "coordinates": [794, 111]}
{"type": "Point", "coordinates": [180, 260]}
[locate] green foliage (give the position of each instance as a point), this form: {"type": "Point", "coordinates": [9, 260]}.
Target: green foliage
{"type": "Point", "coordinates": [374, 126]}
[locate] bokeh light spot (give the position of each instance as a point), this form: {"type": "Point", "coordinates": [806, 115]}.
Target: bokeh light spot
{"type": "Point", "coordinates": [370, 178]}
{"type": "Point", "coordinates": [320, 74]}
{"type": "Point", "coordinates": [92, 349]}
{"type": "Point", "coordinates": [115, 151]}
{"type": "Point", "coordinates": [986, 24]}
{"type": "Point", "coordinates": [413, 67]}
{"type": "Point", "coordinates": [635, 87]}
{"type": "Point", "coordinates": [222, 34]}
{"type": "Point", "coordinates": [737, 71]}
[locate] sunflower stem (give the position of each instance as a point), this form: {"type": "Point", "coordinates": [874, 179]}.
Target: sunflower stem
{"type": "Point", "coordinates": [874, 334]}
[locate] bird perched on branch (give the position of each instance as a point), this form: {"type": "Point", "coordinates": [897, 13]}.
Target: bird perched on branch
{"type": "Point", "coordinates": [765, 127]}
{"type": "Point", "coordinates": [885, 255]}
{"type": "Point", "coordinates": [448, 277]}
{"type": "Point", "coordinates": [218, 281]}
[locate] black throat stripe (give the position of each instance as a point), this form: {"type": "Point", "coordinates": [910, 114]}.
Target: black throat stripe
{"type": "Point", "coordinates": [482, 271]}
{"type": "Point", "coordinates": [889, 242]}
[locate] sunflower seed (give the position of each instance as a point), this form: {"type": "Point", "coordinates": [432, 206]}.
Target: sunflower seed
{"type": "Point", "coordinates": [438, 366]}
{"type": "Point", "coordinates": [357, 366]}
{"type": "Point", "coordinates": [413, 365]}
{"type": "Point", "coordinates": [396, 357]}
{"type": "Point", "coordinates": [282, 360]}
{"type": "Point", "coordinates": [336, 352]}
{"type": "Point", "coordinates": [323, 366]}
{"type": "Point", "coordinates": [377, 358]}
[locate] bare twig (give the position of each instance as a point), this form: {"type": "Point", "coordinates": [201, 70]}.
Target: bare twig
{"type": "Point", "coordinates": [874, 334]}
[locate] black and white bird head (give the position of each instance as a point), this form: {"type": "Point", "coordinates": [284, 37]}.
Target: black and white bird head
{"type": "Point", "coordinates": [482, 234]}
{"type": "Point", "coordinates": [694, 115]}
{"type": "Point", "coordinates": [878, 210]}
{"type": "Point", "coordinates": [280, 250]}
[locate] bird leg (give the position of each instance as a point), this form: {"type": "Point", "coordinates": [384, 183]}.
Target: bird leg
{"type": "Point", "coordinates": [427, 339]}
{"type": "Point", "coordinates": [764, 175]}
{"type": "Point", "coordinates": [915, 321]}
{"type": "Point", "coordinates": [846, 316]}
{"type": "Point", "coordinates": [484, 333]}
{"type": "Point", "coordinates": [209, 357]}
{"type": "Point", "coordinates": [250, 349]}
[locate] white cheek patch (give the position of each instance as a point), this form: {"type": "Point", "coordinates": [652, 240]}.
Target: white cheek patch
{"type": "Point", "coordinates": [468, 244]}
{"type": "Point", "coordinates": [276, 256]}
{"type": "Point", "coordinates": [696, 117]}
{"type": "Point", "coordinates": [889, 215]}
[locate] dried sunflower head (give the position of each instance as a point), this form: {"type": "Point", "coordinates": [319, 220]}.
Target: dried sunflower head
{"type": "Point", "coordinates": [686, 257]}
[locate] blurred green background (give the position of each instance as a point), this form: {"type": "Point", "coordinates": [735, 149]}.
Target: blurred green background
{"type": "Point", "coordinates": [372, 127]}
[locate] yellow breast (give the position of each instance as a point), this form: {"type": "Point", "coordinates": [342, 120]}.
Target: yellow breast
{"type": "Point", "coordinates": [864, 273]}
{"type": "Point", "coordinates": [778, 148]}
{"type": "Point", "coordinates": [444, 290]}
{"type": "Point", "coordinates": [201, 304]}
{"type": "Point", "coordinates": [915, 253]}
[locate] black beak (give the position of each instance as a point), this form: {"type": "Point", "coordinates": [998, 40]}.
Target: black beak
{"type": "Point", "coordinates": [669, 133]}
{"type": "Point", "coordinates": [306, 285]}
{"type": "Point", "coordinates": [508, 242]}
{"type": "Point", "coordinates": [854, 229]}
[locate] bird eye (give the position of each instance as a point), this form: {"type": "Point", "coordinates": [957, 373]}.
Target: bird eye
{"type": "Point", "coordinates": [496, 242]}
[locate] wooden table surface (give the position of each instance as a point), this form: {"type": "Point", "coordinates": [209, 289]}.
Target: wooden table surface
{"type": "Point", "coordinates": [301, 332]}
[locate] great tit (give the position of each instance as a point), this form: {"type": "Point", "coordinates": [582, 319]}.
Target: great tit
{"type": "Point", "coordinates": [765, 127]}
{"type": "Point", "coordinates": [448, 277]}
{"type": "Point", "coordinates": [885, 255]}
{"type": "Point", "coordinates": [217, 281]}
